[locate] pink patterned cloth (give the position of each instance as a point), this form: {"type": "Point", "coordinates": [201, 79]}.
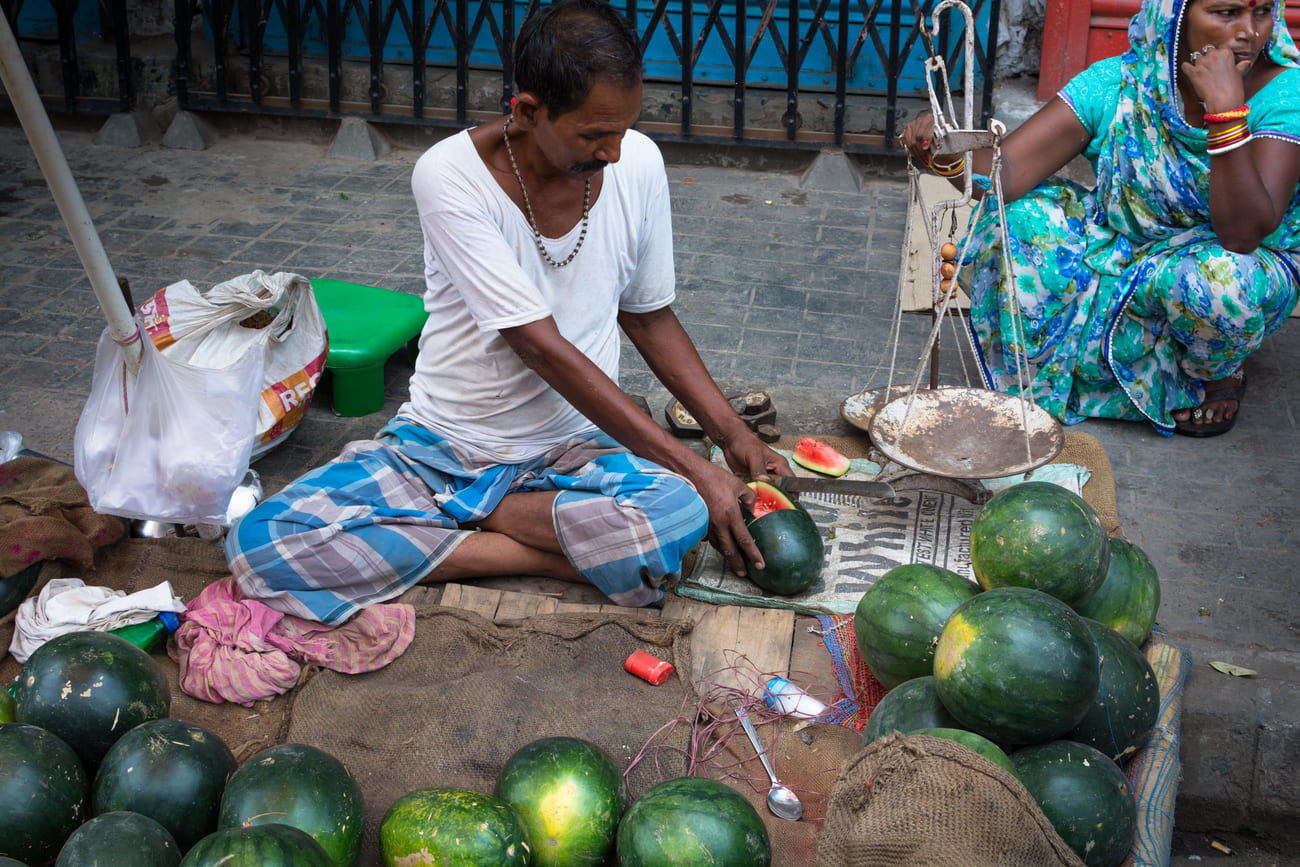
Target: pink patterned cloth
{"type": "Point", "coordinates": [234, 649]}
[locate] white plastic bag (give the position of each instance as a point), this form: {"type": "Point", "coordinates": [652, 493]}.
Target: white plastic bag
{"type": "Point", "coordinates": [170, 443]}
{"type": "Point", "coordinates": [276, 312]}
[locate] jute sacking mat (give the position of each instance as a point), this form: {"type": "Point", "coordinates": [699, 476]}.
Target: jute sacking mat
{"type": "Point", "coordinates": [467, 694]}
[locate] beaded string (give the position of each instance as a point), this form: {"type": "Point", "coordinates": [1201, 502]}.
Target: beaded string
{"type": "Point", "coordinates": [528, 207]}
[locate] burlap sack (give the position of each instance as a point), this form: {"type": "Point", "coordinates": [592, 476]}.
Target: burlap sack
{"type": "Point", "coordinates": [929, 802]}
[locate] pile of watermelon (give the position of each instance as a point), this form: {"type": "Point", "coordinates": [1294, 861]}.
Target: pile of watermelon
{"type": "Point", "coordinates": [92, 766]}
{"type": "Point", "coordinates": [1038, 667]}
{"type": "Point", "coordinates": [562, 802]}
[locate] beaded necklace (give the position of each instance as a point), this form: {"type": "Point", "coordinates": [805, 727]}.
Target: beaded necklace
{"type": "Point", "coordinates": [528, 207]}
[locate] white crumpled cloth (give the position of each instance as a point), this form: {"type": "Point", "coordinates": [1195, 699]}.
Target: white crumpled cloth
{"type": "Point", "coordinates": [71, 605]}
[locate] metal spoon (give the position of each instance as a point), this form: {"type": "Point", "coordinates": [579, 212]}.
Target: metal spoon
{"type": "Point", "coordinates": [783, 803]}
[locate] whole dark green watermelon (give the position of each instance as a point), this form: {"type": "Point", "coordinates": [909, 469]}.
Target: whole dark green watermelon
{"type": "Point", "coordinates": [44, 791]}
{"type": "Point", "coordinates": [1124, 710]}
{"type": "Point", "coordinates": [106, 840]}
{"type": "Point", "coordinates": [569, 796]}
{"type": "Point", "coordinates": [257, 846]}
{"type": "Point", "coordinates": [907, 707]}
{"type": "Point", "coordinates": [302, 786]}
{"type": "Point", "coordinates": [1084, 795]}
{"type": "Point", "coordinates": [1129, 598]}
{"type": "Point", "coordinates": [169, 770]}
{"type": "Point", "coordinates": [1017, 666]}
{"type": "Point", "coordinates": [452, 827]}
{"type": "Point", "coordinates": [692, 820]}
{"type": "Point", "coordinates": [898, 620]}
{"type": "Point", "coordinates": [1041, 536]}
{"type": "Point", "coordinates": [90, 688]}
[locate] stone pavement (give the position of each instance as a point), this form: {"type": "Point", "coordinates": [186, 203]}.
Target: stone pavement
{"type": "Point", "coordinates": [786, 288]}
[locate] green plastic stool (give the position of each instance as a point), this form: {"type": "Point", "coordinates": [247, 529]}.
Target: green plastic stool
{"type": "Point", "coordinates": [366, 325]}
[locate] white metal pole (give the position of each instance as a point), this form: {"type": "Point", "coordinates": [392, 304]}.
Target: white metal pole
{"type": "Point", "coordinates": [36, 123]}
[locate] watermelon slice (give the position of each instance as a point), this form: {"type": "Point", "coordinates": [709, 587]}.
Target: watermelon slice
{"type": "Point", "coordinates": [819, 457]}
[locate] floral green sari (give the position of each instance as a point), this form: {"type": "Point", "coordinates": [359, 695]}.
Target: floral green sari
{"type": "Point", "coordinates": [1127, 300]}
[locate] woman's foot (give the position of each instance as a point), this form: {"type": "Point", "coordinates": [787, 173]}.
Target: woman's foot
{"type": "Point", "coordinates": [1218, 413]}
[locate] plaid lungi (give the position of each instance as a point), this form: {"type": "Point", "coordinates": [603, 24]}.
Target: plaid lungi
{"type": "Point", "coordinates": [370, 524]}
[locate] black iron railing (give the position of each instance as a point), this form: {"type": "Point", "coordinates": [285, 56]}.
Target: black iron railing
{"type": "Point", "coordinates": [65, 22]}
{"type": "Point", "coordinates": [448, 62]}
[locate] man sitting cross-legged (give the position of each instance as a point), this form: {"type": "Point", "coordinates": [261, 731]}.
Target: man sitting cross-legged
{"type": "Point", "coordinates": [518, 454]}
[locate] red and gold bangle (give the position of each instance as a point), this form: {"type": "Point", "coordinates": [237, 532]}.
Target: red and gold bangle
{"type": "Point", "coordinates": [949, 171]}
{"type": "Point", "coordinates": [1231, 144]}
{"type": "Point", "coordinates": [1225, 116]}
{"type": "Point", "coordinates": [1227, 134]}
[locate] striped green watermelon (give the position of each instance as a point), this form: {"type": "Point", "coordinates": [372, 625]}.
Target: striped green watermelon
{"type": "Point", "coordinates": [1124, 710]}
{"type": "Point", "coordinates": [1017, 666]}
{"type": "Point", "coordinates": [569, 796]}
{"type": "Point", "coordinates": [44, 791]}
{"type": "Point", "coordinates": [257, 846]}
{"type": "Point", "coordinates": [103, 840]}
{"type": "Point", "coordinates": [974, 742]}
{"type": "Point", "coordinates": [169, 770]}
{"type": "Point", "coordinates": [692, 820]}
{"type": "Point", "coordinates": [90, 688]}
{"type": "Point", "coordinates": [302, 786]}
{"type": "Point", "coordinates": [1129, 598]}
{"type": "Point", "coordinates": [1084, 795]}
{"type": "Point", "coordinates": [910, 706]}
{"type": "Point", "coordinates": [452, 827]}
{"type": "Point", "coordinates": [898, 620]}
{"type": "Point", "coordinates": [1041, 536]}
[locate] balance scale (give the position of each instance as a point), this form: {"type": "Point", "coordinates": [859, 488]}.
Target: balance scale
{"type": "Point", "coordinates": [959, 432]}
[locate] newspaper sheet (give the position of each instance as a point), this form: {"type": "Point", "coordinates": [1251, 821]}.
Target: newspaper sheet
{"type": "Point", "coordinates": [865, 538]}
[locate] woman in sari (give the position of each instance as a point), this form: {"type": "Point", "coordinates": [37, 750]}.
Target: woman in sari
{"type": "Point", "coordinates": [1141, 298]}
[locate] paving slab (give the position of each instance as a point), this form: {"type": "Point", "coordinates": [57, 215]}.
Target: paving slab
{"type": "Point", "coordinates": [788, 289]}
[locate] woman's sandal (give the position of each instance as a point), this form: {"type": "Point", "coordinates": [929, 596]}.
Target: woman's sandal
{"type": "Point", "coordinates": [1232, 392]}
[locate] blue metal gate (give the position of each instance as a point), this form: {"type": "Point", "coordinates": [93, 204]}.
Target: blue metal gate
{"type": "Point", "coordinates": [804, 49]}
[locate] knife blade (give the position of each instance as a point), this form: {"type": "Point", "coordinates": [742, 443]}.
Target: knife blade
{"type": "Point", "coordinates": [851, 487]}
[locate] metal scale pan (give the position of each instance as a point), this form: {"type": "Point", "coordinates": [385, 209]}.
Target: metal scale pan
{"type": "Point", "coordinates": [955, 432]}
{"type": "Point", "coordinates": [966, 433]}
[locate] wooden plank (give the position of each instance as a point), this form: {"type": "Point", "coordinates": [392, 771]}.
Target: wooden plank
{"type": "Point", "coordinates": [810, 662]}
{"type": "Point", "coordinates": [584, 608]}
{"type": "Point", "coordinates": [517, 606]}
{"type": "Point", "coordinates": [735, 647]}
{"type": "Point", "coordinates": [501, 606]}
{"type": "Point", "coordinates": [467, 597]}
